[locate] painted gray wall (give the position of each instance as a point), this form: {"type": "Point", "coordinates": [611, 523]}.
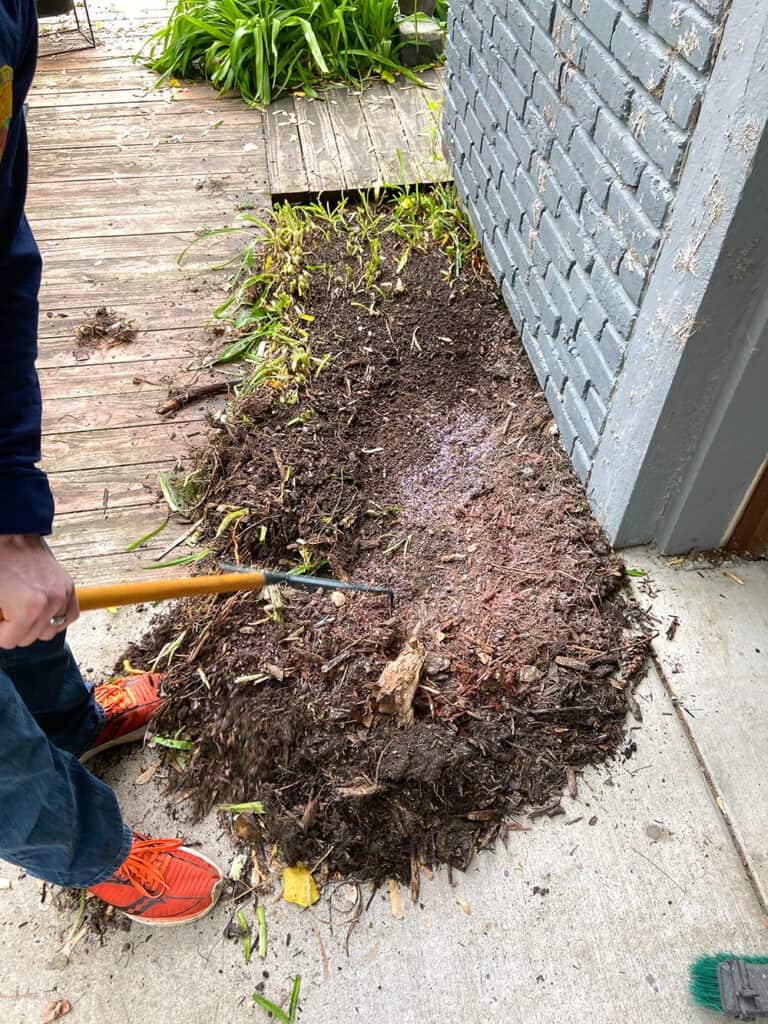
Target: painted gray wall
{"type": "Point", "coordinates": [614, 159]}
{"type": "Point", "coordinates": [688, 424]}
{"type": "Point", "coordinates": [567, 124]}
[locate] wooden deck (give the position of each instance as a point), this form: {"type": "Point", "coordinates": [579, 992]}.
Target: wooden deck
{"type": "Point", "coordinates": [124, 175]}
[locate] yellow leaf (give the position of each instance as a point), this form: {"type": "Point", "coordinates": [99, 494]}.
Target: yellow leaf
{"type": "Point", "coordinates": [175, 83]}
{"type": "Point", "coordinates": [112, 609]}
{"type": "Point", "coordinates": [130, 670]}
{"type": "Point", "coordinates": [299, 886]}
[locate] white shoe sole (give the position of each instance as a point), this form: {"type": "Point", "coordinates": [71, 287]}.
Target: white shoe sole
{"type": "Point", "coordinates": [160, 923]}
{"type": "Point", "coordinates": [130, 737]}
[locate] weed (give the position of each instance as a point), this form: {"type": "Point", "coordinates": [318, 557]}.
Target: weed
{"type": "Point", "coordinates": [269, 328]}
{"type": "Point", "coordinates": [277, 1013]}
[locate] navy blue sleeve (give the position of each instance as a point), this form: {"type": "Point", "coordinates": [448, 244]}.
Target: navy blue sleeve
{"type": "Point", "coordinates": [26, 504]}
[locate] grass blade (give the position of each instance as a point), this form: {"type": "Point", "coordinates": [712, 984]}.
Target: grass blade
{"type": "Point", "coordinates": [184, 560]}
{"type": "Point", "coordinates": [270, 1007]}
{"type": "Point", "coordinates": [148, 536]}
{"type": "Point", "coordinates": [261, 916]}
{"type": "Point", "coordinates": [245, 933]}
{"type": "Point", "coordinates": [254, 807]}
{"type": "Point", "coordinates": [171, 743]}
{"type": "Point", "coordinates": [294, 1003]}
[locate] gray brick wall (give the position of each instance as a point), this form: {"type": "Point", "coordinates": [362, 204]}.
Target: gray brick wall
{"type": "Point", "coordinates": [567, 124]}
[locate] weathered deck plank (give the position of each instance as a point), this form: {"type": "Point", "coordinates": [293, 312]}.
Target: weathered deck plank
{"type": "Point", "coordinates": [287, 172]}
{"type": "Point", "coordinates": [124, 175]}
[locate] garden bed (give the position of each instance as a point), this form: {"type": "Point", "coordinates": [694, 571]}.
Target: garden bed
{"type": "Point", "coordinates": [401, 440]}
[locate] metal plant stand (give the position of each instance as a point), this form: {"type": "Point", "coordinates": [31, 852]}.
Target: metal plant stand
{"type": "Point", "coordinates": [82, 30]}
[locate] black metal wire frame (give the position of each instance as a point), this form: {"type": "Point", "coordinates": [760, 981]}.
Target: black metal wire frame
{"type": "Point", "coordinates": [83, 28]}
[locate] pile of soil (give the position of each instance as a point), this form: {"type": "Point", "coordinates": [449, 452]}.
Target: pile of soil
{"type": "Point", "coordinates": [104, 328]}
{"type": "Point", "coordinates": [429, 462]}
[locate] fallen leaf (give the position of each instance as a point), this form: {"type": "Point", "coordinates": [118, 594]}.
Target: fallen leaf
{"type": "Point", "coordinates": [147, 774]}
{"type": "Point", "coordinates": [396, 904]}
{"type": "Point", "coordinates": [54, 1010]}
{"type": "Point", "coordinates": [394, 690]}
{"type": "Point", "coordinates": [299, 886]}
{"type": "Point", "coordinates": [247, 826]}
{"type": "Point", "coordinates": [237, 866]}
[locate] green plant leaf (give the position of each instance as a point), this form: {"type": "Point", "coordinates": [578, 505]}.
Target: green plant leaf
{"type": "Point", "coordinates": [231, 517]}
{"type": "Point", "coordinates": [261, 917]}
{"type": "Point", "coordinates": [294, 1003]}
{"type": "Point", "coordinates": [183, 560]}
{"type": "Point", "coordinates": [171, 743]}
{"type": "Point", "coordinates": [245, 933]}
{"type": "Point", "coordinates": [148, 536]}
{"type": "Point", "coordinates": [270, 1007]}
{"type": "Point", "coordinates": [255, 807]}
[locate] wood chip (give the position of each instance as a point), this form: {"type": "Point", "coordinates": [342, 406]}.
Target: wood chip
{"type": "Point", "coordinates": [573, 788]}
{"type": "Point", "coordinates": [415, 878]}
{"type": "Point", "coordinates": [734, 577]}
{"type": "Point", "coordinates": [54, 1010]}
{"type": "Point", "coordinates": [572, 663]}
{"type": "Point", "coordinates": [395, 688]}
{"type": "Point", "coordinates": [550, 810]}
{"type": "Point", "coordinates": [361, 791]}
{"type": "Point", "coordinates": [396, 903]}
{"type": "Point", "coordinates": [465, 907]}
{"type": "Point", "coordinates": [146, 775]}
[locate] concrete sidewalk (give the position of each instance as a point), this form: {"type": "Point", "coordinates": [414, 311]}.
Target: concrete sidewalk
{"type": "Point", "coordinates": [589, 917]}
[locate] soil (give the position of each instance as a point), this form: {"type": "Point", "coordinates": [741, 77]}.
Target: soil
{"type": "Point", "coordinates": [430, 463]}
{"type": "Point", "coordinates": [104, 328]}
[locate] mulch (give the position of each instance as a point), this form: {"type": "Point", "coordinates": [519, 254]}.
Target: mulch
{"type": "Point", "coordinates": [430, 462]}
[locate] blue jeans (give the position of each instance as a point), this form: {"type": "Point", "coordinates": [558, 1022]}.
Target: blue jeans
{"type": "Point", "coordinates": [57, 821]}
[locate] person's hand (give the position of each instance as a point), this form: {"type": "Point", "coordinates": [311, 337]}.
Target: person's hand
{"type": "Point", "coordinates": [34, 590]}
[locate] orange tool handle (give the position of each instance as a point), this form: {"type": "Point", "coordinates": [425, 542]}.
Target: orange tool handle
{"type": "Point", "coordinates": [111, 594]}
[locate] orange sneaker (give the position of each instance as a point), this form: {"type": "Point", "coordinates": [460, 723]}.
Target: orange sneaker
{"type": "Point", "coordinates": [162, 883]}
{"type": "Point", "coordinates": [128, 704]}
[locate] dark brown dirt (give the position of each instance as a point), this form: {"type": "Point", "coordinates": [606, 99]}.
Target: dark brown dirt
{"type": "Point", "coordinates": [106, 327]}
{"type": "Point", "coordinates": [430, 463]}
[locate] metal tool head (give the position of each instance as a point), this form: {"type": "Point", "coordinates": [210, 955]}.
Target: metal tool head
{"type": "Point", "coordinates": [312, 583]}
{"type": "Point", "coordinates": [743, 988]}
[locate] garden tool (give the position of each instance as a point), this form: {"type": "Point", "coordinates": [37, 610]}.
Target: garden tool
{"type": "Point", "coordinates": [731, 984]}
{"type": "Point", "coordinates": [236, 578]}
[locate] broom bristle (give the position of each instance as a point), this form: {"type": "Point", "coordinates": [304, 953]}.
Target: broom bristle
{"type": "Point", "coordinates": [703, 984]}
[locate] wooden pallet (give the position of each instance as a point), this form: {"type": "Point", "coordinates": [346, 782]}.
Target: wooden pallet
{"type": "Point", "coordinates": [388, 135]}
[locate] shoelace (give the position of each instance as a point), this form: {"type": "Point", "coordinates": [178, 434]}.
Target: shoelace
{"type": "Point", "coordinates": [143, 867]}
{"type": "Point", "coordinates": [113, 697]}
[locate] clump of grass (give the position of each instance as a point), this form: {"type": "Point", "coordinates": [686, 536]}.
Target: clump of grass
{"type": "Point", "coordinates": [263, 48]}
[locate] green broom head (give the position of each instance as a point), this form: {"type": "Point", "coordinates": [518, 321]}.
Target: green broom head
{"type": "Point", "coordinates": [704, 986]}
